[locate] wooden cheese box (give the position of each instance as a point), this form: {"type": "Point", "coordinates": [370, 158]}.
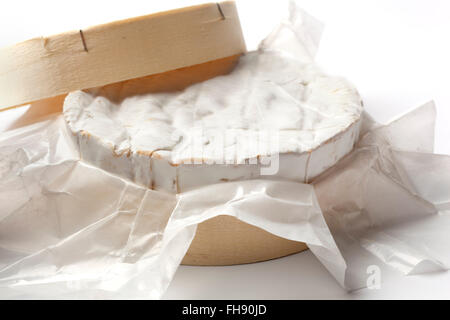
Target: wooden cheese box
{"type": "Point", "coordinates": [159, 52]}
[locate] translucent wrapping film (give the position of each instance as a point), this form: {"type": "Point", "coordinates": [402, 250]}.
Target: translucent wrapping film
{"type": "Point", "coordinates": [71, 230]}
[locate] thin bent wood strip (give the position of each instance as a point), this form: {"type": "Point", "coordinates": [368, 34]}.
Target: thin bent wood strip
{"type": "Point", "coordinates": [47, 67]}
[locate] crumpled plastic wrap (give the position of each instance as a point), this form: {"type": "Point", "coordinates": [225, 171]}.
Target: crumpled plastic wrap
{"type": "Point", "coordinates": [71, 230]}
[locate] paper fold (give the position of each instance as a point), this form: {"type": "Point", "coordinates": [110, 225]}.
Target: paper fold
{"type": "Point", "coordinates": [71, 230]}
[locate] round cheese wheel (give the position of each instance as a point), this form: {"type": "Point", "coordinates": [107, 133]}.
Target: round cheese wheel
{"type": "Point", "coordinates": [175, 141]}
{"type": "Point", "coordinates": [272, 117]}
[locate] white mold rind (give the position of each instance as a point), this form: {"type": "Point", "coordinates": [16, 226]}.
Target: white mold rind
{"type": "Point", "coordinates": [148, 139]}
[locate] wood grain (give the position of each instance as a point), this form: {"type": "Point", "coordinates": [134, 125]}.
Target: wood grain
{"type": "Point", "coordinates": [50, 66]}
{"type": "Point", "coordinates": [225, 240]}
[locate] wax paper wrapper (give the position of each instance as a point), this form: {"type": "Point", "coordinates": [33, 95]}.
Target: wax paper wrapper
{"type": "Point", "coordinates": [387, 203]}
{"type": "Point", "coordinates": [71, 230]}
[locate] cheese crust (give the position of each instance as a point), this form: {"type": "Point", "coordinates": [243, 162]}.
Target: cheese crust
{"type": "Point", "coordinates": [270, 107]}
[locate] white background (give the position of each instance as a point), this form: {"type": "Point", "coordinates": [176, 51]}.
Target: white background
{"type": "Point", "coordinates": [397, 53]}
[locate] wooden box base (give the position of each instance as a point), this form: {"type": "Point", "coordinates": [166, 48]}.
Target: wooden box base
{"type": "Point", "coordinates": [225, 240]}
